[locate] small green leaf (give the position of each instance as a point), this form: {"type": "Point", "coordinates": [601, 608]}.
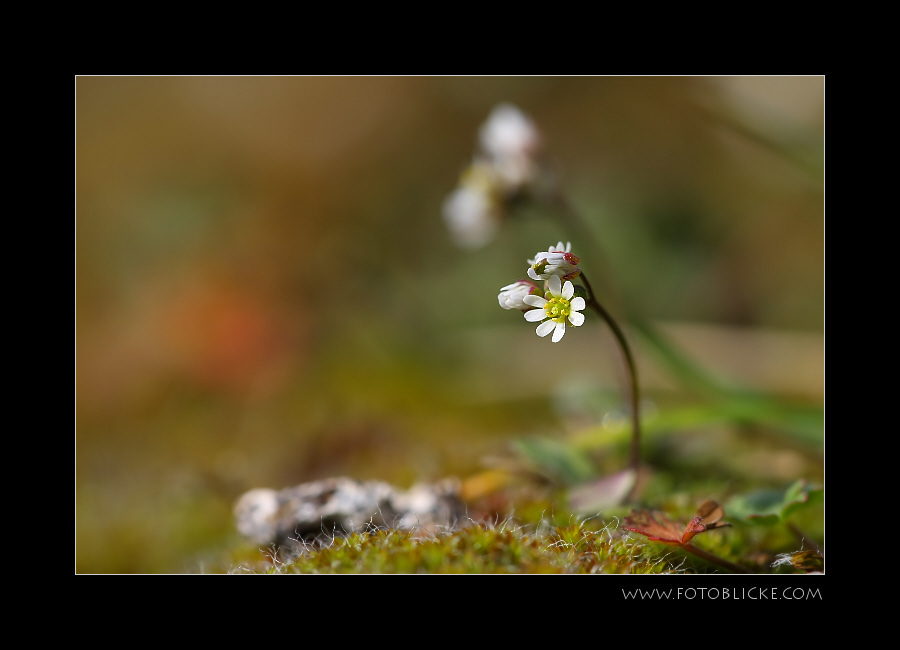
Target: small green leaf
{"type": "Point", "coordinates": [556, 460]}
{"type": "Point", "coordinates": [811, 497]}
{"type": "Point", "coordinates": [768, 507]}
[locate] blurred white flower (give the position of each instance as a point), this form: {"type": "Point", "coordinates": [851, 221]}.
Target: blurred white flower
{"type": "Point", "coordinates": [472, 212]}
{"type": "Point", "coordinates": [555, 262]}
{"type": "Point", "coordinates": [504, 167]}
{"type": "Point", "coordinates": [508, 132]}
{"type": "Point", "coordinates": [512, 296]}
{"type": "Point", "coordinates": [554, 310]}
{"type": "Point", "coordinates": [512, 142]}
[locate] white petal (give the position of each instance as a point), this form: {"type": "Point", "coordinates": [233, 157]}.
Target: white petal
{"type": "Point", "coordinates": [576, 318]}
{"type": "Point", "coordinates": [559, 247]}
{"type": "Point", "coordinates": [535, 315]}
{"type": "Point", "coordinates": [545, 328]}
{"type": "Point", "coordinates": [534, 301]}
{"type": "Point", "coordinates": [578, 303]}
{"type": "Point", "coordinates": [532, 274]}
{"type": "Point", "coordinates": [559, 332]}
{"type": "Point", "coordinates": [555, 285]}
{"type": "Point", "coordinates": [568, 290]}
{"type": "Point", "coordinates": [509, 286]}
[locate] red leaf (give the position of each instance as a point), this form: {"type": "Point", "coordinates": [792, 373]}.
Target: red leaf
{"type": "Point", "coordinates": [655, 526]}
{"type": "Point", "coordinates": [659, 528]}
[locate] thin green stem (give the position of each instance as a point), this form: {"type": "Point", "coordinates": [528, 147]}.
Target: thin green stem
{"type": "Point", "coordinates": [577, 224]}
{"type": "Point", "coordinates": [635, 455]}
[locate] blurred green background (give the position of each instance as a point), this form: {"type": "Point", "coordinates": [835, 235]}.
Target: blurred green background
{"type": "Point", "coordinates": [266, 292]}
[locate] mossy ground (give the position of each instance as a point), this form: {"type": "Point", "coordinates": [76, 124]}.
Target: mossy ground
{"type": "Point", "coordinates": [477, 548]}
{"type": "Point", "coordinates": [530, 542]}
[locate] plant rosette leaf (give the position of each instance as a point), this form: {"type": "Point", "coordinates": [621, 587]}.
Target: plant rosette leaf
{"type": "Point", "coordinates": [659, 528]}
{"type": "Point", "coordinates": [768, 507]}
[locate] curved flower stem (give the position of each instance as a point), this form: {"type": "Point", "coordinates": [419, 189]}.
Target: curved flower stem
{"type": "Point", "coordinates": [635, 455]}
{"type": "Point", "coordinates": [714, 559]}
{"type": "Point", "coordinates": [577, 224]}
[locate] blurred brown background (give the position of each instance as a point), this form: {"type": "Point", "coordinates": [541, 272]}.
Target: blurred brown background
{"type": "Point", "coordinates": [266, 292]}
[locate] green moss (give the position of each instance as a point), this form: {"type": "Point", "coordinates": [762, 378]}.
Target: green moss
{"type": "Point", "coordinates": [584, 547]}
{"type": "Point", "coordinates": [537, 539]}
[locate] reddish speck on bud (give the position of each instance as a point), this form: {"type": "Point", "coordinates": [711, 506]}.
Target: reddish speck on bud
{"type": "Point", "coordinates": [571, 258]}
{"type": "Point", "coordinates": [571, 276]}
{"type": "Point", "coordinates": [532, 287]}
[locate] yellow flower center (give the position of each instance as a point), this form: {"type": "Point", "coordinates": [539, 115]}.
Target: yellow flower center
{"type": "Point", "coordinates": [557, 309]}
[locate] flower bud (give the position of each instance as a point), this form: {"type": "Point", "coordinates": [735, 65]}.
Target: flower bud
{"type": "Point", "coordinates": [512, 295]}
{"type": "Point", "coordinates": [556, 261]}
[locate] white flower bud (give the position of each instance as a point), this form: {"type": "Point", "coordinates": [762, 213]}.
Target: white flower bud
{"type": "Point", "coordinates": [557, 261]}
{"type": "Point", "coordinates": [512, 296]}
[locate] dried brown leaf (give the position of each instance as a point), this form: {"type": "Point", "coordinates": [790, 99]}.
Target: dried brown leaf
{"type": "Point", "coordinates": [808, 561]}
{"type": "Point", "coordinates": [710, 512]}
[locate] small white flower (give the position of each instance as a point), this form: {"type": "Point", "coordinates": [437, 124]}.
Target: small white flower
{"type": "Point", "coordinates": [512, 296]}
{"type": "Point", "coordinates": [508, 132]}
{"type": "Point", "coordinates": [511, 141]}
{"type": "Point", "coordinates": [556, 262]}
{"type": "Point", "coordinates": [472, 212]}
{"type": "Point", "coordinates": [504, 167]}
{"type": "Point", "coordinates": [558, 307]}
